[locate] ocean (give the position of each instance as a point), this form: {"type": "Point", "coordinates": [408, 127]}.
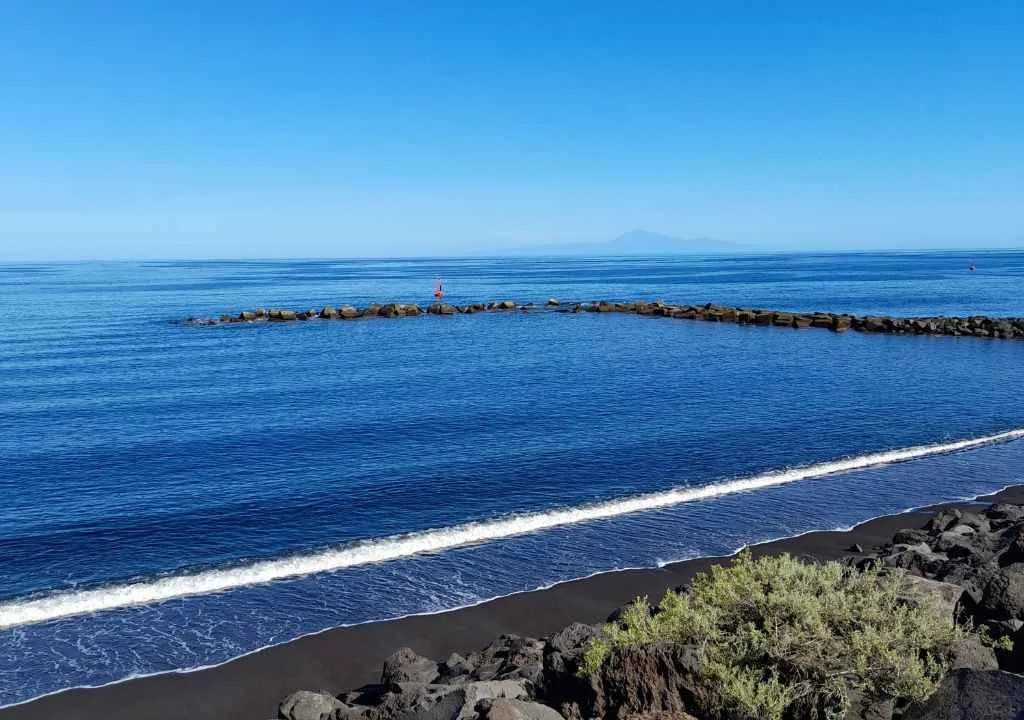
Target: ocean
{"type": "Point", "coordinates": [174, 496]}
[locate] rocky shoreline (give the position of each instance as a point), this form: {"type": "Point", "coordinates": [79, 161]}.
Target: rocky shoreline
{"type": "Point", "coordinates": [973, 326]}
{"type": "Point", "coordinates": [968, 564]}
{"type": "Point", "coordinates": [254, 685]}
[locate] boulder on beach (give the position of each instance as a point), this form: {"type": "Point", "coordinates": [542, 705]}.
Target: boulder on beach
{"type": "Point", "coordinates": [347, 312]}
{"type": "Point", "coordinates": [404, 665]}
{"type": "Point", "coordinates": [328, 312]}
{"type": "Point", "coordinates": [309, 705]}
{"type": "Point", "coordinates": [509, 709]}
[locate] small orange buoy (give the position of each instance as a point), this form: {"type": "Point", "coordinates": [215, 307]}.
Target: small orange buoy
{"type": "Point", "coordinates": [438, 291]}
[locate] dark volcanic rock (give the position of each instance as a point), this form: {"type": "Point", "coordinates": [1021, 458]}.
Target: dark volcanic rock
{"type": "Point", "coordinates": [404, 665]}
{"type": "Point", "coordinates": [974, 695]}
{"type": "Point", "coordinates": [973, 654]}
{"type": "Point", "coordinates": [507, 709]}
{"type": "Point", "coordinates": [509, 657]}
{"type": "Point", "coordinates": [1003, 514]}
{"type": "Point", "coordinates": [307, 705]}
{"type": "Point", "coordinates": [562, 655]}
{"type": "Point", "coordinates": [661, 678]}
{"type": "Point", "coordinates": [1003, 596]}
{"type": "Point", "coordinates": [865, 708]}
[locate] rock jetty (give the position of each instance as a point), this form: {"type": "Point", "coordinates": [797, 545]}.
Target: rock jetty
{"type": "Point", "coordinates": [973, 326]}
{"type": "Point", "coordinates": [968, 564]}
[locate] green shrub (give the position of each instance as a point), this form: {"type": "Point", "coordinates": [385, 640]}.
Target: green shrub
{"type": "Point", "coordinates": [777, 637]}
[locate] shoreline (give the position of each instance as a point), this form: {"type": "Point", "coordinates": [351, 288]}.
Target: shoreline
{"type": "Point", "coordinates": [253, 684]}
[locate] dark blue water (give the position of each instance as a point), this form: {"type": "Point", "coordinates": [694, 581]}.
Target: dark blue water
{"type": "Point", "coordinates": [135, 451]}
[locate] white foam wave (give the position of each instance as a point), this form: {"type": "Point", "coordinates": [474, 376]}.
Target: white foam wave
{"type": "Point", "coordinates": [59, 605]}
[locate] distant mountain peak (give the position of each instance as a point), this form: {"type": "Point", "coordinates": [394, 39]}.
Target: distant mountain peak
{"type": "Point", "coordinates": [646, 241]}
{"type": "Point", "coordinates": [634, 242]}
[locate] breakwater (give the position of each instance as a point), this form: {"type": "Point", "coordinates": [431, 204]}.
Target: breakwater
{"type": "Point", "coordinates": [971, 326]}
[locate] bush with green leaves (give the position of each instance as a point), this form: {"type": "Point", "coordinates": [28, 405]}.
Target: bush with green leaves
{"type": "Point", "coordinates": [779, 638]}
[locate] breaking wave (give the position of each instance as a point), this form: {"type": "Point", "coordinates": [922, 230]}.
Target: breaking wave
{"type": "Point", "coordinates": [64, 604]}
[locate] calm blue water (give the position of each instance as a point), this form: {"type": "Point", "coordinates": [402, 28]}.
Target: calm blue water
{"type": "Point", "coordinates": [136, 452]}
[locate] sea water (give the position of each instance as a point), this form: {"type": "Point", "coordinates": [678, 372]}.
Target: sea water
{"type": "Point", "coordinates": [174, 496]}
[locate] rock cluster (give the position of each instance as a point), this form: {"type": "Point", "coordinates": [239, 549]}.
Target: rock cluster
{"type": "Point", "coordinates": [982, 556]}
{"type": "Point", "coordinates": [971, 563]}
{"type": "Point", "coordinates": [974, 326]}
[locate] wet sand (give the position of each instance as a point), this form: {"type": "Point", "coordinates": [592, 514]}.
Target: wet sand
{"type": "Point", "coordinates": [250, 687]}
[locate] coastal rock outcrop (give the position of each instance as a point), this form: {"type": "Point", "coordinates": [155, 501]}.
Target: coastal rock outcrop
{"type": "Point", "coordinates": [981, 555]}
{"type": "Point", "coordinates": [969, 564]}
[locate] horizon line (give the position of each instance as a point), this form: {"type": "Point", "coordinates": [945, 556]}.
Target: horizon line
{"type": "Point", "coordinates": [525, 254]}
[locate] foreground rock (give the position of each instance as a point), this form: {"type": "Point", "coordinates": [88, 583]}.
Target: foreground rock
{"type": "Point", "coordinates": [973, 695]}
{"type": "Point", "coordinates": [974, 326]}
{"type": "Point", "coordinates": [970, 564]}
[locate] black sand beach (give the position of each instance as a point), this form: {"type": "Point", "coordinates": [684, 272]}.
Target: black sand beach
{"type": "Point", "coordinates": [252, 686]}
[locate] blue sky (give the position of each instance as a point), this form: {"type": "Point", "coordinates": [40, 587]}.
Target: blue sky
{"type": "Point", "coordinates": [196, 129]}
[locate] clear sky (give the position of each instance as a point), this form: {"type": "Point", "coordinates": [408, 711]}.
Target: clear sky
{"type": "Point", "coordinates": [331, 129]}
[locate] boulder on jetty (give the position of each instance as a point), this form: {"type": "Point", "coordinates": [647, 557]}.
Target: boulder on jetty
{"type": "Point", "coordinates": [442, 309]}
{"type": "Point", "coordinates": [974, 326]}
{"type": "Point", "coordinates": [502, 305]}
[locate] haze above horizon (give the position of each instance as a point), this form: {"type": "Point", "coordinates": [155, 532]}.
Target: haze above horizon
{"type": "Point", "coordinates": [193, 130]}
